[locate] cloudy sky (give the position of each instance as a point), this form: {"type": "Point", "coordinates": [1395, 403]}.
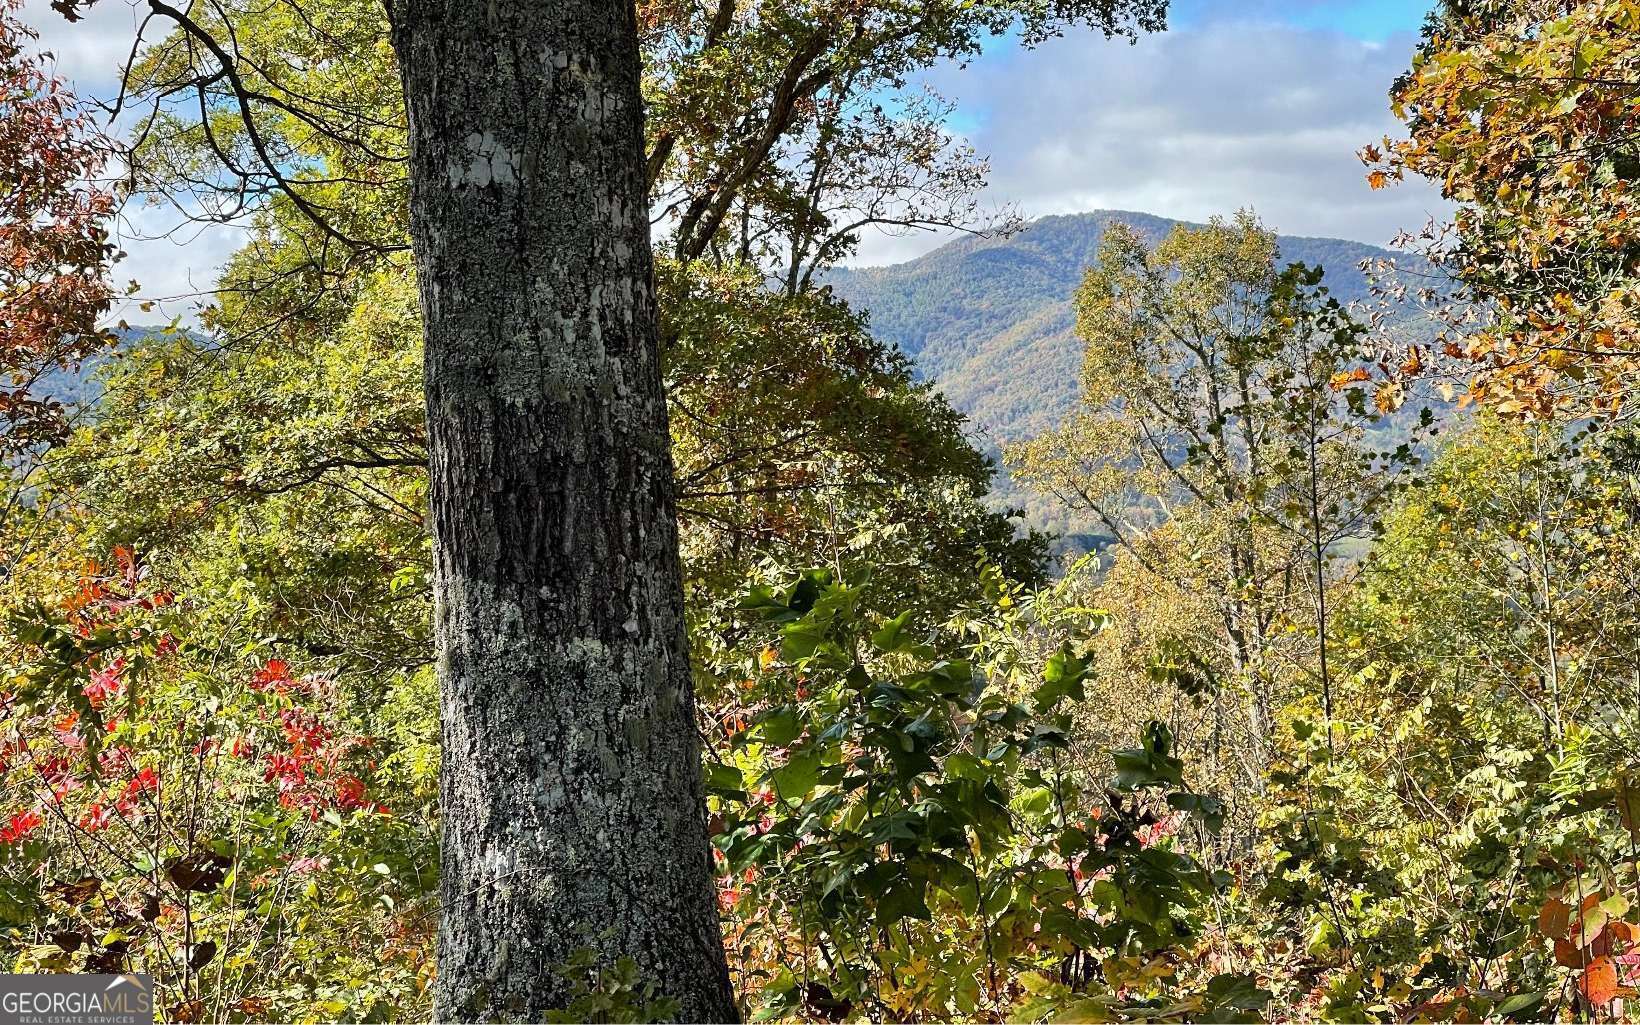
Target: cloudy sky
{"type": "Point", "coordinates": [1258, 103]}
{"type": "Point", "coordinates": [173, 261]}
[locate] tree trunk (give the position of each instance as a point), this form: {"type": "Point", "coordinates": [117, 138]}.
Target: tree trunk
{"type": "Point", "coordinates": [572, 803]}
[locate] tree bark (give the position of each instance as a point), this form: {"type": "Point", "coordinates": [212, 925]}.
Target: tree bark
{"type": "Point", "coordinates": [573, 811]}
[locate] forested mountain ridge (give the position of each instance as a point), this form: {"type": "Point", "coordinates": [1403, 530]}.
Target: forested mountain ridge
{"type": "Point", "coordinates": [989, 319]}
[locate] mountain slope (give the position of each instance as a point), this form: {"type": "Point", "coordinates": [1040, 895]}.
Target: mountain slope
{"type": "Point", "coordinates": [990, 320]}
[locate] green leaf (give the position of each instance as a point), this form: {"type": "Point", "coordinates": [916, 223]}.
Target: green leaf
{"type": "Point", "coordinates": [892, 636]}
{"type": "Point", "coordinates": [725, 780]}
{"type": "Point", "coordinates": [1034, 801]}
{"type": "Point", "coordinates": [781, 726]}
{"type": "Point", "coordinates": [1150, 765]}
{"type": "Point", "coordinates": [1209, 809]}
{"type": "Point", "coordinates": [1523, 1004]}
{"type": "Point", "coordinates": [964, 766]}
{"type": "Point", "coordinates": [796, 780]}
{"type": "Point", "coordinates": [800, 640]}
{"type": "Point", "coordinates": [1062, 677]}
{"type": "Point", "coordinates": [1239, 991]}
{"type": "Point", "coordinates": [761, 600]}
{"type": "Point", "coordinates": [903, 900]}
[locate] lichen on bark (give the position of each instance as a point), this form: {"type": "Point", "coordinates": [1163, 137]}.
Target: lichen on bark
{"type": "Point", "coordinates": [571, 791]}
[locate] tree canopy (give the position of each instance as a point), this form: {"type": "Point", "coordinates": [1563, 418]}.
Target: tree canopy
{"type": "Point", "coordinates": [677, 657]}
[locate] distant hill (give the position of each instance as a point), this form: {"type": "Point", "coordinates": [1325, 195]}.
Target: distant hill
{"type": "Point", "coordinates": [80, 386]}
{"type": "Point", "coordinates": [989, 319]}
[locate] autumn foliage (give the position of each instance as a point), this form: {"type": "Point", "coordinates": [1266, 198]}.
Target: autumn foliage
{"type": "Point", "coordinates": [1525, 112]}
{"type": "Point", "coordinates": [169, 812]}
{"type": "Point", "coordinates": [54, 247]}
{"type": "Point", "coordinates": [1336, 722]}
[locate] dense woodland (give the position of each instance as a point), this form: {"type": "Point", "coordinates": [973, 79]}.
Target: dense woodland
{"type": "Point", "coordinates": [504, 605]}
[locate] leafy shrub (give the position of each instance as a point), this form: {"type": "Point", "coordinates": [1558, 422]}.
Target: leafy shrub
{"type": "Point", "coordinates": [179, 809]}
{"type": "Point", "coordinates": [900, 834]}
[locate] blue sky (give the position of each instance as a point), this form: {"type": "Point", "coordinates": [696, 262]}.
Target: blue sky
{"type": "Point", "coordinates": [1368, 20]}
{"type": "Point", "coordinates": [1259, 103]}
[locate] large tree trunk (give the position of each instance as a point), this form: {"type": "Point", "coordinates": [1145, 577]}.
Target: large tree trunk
{"type": "Point", "coordinates": [571, 790]}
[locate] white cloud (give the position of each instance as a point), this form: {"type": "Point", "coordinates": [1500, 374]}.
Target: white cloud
{"type": "Point", "coordinates": [1198, 121]}
{"type": "Point", "coordinates": [1204, 119]}
{"type": "Point", "coordinates": [90, 52]}
{"type": "Point", "coordinates": [174, 262]}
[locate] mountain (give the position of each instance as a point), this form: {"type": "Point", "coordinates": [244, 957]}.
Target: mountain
{"type": "Point", "coordinates": [989, 320]}
{"type": "Point", "coordinates": [79, 385]}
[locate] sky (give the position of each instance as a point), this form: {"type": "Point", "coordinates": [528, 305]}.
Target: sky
{"type": "Point", "coordinates": [1241, 103]}
{"type": "Point", "coordinates": [1259, 103]}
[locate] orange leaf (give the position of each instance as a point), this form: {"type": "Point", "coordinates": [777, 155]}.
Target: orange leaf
{"type": "Point", "coordinates": [1599, 982]}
